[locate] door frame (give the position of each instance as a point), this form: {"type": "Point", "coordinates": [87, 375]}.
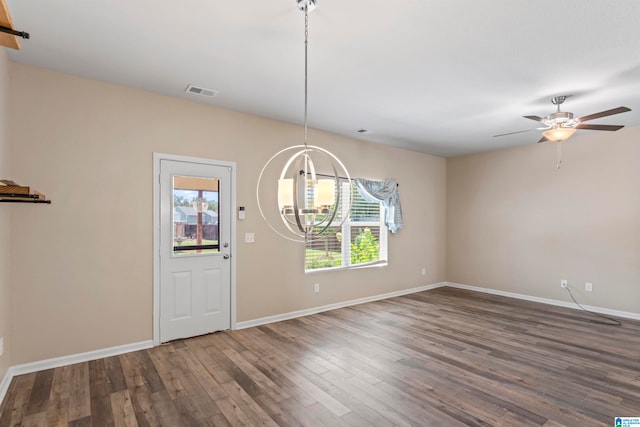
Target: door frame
{"type": "Point", "coordinates": [157, 158]}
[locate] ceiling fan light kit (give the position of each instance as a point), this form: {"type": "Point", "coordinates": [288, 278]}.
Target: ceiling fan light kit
{"type": "Point", "coordinates": [558, 133]}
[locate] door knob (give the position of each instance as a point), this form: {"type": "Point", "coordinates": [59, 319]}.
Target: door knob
{"type": "Point", "coordinates": [226, 256]}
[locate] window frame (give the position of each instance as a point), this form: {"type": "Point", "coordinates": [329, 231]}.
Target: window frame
{"type": "Point", "coordinates": [345, 230]}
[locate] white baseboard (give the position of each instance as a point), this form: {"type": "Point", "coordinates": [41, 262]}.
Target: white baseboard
{"type": "Point", "coordinates": [567, 304]}
{"type": "Point", "coordinates": [4, 384]}
{"type": "Point", "coordinates": [314, 310]}
{"type": "Point", "coordinates": [56, 362]}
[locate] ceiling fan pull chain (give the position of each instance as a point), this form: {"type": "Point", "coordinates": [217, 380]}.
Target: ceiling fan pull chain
{"type": "Point", "coordinates": [559, 155]}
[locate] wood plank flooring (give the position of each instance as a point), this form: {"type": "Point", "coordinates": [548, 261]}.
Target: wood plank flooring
{"type": "Point", "coordinates": [444, 357]}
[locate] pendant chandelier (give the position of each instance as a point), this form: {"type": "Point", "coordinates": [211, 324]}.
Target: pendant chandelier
{"type": "Point", "coordinates": [310, 197]}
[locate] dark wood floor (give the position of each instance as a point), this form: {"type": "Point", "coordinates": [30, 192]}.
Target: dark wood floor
{"type": "Point", "coordinates": [444, 357]}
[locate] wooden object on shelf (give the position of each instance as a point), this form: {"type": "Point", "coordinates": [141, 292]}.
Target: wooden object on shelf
{"type": "Point", "coordinates": [7, 40]}
{"type": "Point", "coordinates": [11, 192]}
{"type": "Point", "coordinates": [10, 187]}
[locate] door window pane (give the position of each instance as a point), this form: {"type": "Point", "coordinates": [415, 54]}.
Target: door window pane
{"type": "Point", "coordinates": [195, 215]}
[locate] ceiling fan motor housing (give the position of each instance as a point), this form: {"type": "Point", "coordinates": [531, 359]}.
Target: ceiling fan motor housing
{"type": "Point", "coordinates": [563, 118]}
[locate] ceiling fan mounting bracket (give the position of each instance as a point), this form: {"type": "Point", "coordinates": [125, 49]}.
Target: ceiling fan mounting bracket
{"type": "Point", "coordinates": [557, 100]}
{"type": "Point", "coordinates": [307, 5]}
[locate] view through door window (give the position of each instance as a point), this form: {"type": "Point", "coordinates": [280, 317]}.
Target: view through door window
{"type": "Point", "coordinates": [195, 215]}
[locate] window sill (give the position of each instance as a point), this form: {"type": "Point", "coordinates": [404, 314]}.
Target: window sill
{"type": "Point", "coordinates": [375, 264]}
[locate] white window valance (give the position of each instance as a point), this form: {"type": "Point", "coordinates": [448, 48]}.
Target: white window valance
{"type": "Point", "coordinates": [387, 193]}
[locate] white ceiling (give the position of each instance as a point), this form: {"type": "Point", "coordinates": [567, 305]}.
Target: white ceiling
{"type": "Point", "coordinates": [439, 77]}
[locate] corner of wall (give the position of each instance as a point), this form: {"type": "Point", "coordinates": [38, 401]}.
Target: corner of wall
{"type": "Point", "coordinates": [5, 294]}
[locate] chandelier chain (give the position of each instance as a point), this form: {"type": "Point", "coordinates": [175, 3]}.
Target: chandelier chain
{"type": "Point", "coordinates": [307, 206]}
{"type": "Point", "coordinates": [306, 44]}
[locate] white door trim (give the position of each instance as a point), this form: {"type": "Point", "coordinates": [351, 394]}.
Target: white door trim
{"type": "Point", "coordinates": [157, 157]}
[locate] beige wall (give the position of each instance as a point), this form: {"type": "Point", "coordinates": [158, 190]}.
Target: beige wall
{"type": "Point", "coordinates": [78, 285]}
{"type": "Point", "coordinates": [5, 209]}
{"type": "Point", "coordinates": [515, 223]}
{"type": "Point", "coordinates": [512, 222]}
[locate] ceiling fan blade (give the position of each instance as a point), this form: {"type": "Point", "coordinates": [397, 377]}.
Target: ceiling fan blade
{"type": "Point", "coordinates": [512, 133]}
{"type": "Point", "coordinates": [604, 114]}
{"type": "Point", "coordinates": [543, 139]}
{"type": "Point", "coordinates": [535, 118]}
{"type": "Point", "coordinates": [600, 127]}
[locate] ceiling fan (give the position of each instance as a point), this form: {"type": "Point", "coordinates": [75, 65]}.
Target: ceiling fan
{"type": "Point", "coordinates": [560, 125]}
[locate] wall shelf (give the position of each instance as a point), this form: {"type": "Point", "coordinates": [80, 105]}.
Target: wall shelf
{"type": "Point", "coordinates": [11, 192]}
{"type": "Point", "coordinates": [11, 200]}
{"type": "Point", "coordinates": [8, 35]}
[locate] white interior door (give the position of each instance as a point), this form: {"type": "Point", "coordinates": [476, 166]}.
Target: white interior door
{"type": "Point", "coordinates": [195, 266]}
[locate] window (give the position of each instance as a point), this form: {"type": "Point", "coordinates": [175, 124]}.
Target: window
{"type": "Point", "coordinates": [195, 215]}
{"type": "Point", "coordinates": [360, 241]}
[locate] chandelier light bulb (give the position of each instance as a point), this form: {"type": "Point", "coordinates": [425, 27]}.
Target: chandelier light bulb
{"type": "Point", "coordinates": [325, 192]}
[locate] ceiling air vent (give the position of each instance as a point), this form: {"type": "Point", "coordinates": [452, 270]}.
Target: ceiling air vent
{"type": "Point", "coordinates": [201, 91]}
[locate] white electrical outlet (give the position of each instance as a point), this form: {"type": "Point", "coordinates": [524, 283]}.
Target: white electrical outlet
{"type": "Point", "coordinates": [316, 287]}
{"type": "Point", "coordinates": [424, 271]}
{"type": "Point", "coordinates": [588, 286]}
{"type": "Point", "coordinates": [1, 346]}
{"type": "Point", "coordinates": [249, 237]}
{"type": "Point", "coordinates": [564, 283]}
